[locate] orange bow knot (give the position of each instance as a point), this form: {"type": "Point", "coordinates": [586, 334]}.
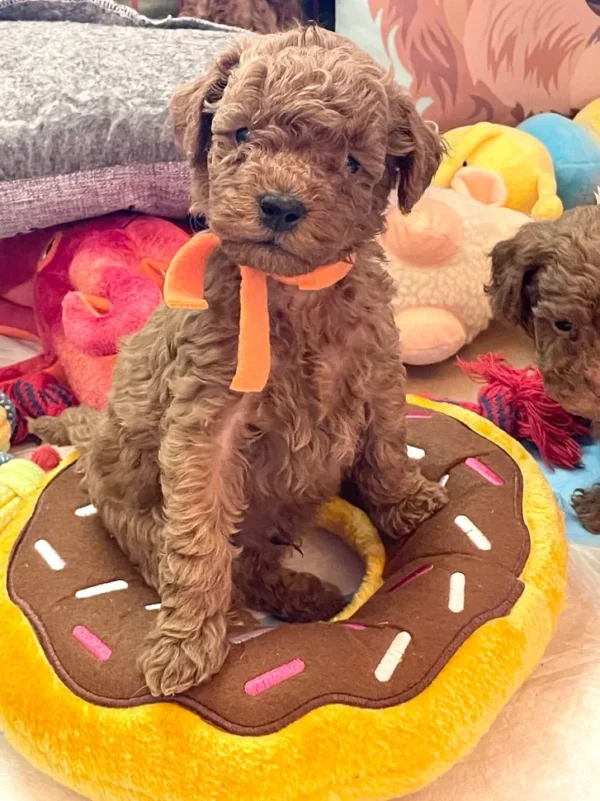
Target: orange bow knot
{"type": "Point", "coordinates": [184, 289]}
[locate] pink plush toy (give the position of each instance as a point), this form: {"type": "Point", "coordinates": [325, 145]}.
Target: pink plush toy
{"type": "Point", "coordinates": [92, 283]}
{"type": "Point", "coordinates": [439, 257]}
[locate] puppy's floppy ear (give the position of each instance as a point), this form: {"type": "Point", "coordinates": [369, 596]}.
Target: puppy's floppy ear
{"type": "Point", "coordinates": [515, 264]}
{"type": "Point", "coordinates": [193, 106]}
{"type": "Point", "coordinates": [415, 149]}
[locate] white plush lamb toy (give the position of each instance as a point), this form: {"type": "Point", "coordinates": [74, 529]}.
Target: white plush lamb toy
{"type": "Point", "coordinates": [439, 257]}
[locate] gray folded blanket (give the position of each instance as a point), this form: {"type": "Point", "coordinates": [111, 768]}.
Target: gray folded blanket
{"type": "Point", "coordinates": [84, 94]}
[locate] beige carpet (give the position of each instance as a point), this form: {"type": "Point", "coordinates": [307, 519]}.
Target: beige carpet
{"type": "Point", "coordinates": [445, 380]}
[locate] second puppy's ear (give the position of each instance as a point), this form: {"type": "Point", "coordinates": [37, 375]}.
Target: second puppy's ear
{"type": "Point", "coordinates": [515, 265]}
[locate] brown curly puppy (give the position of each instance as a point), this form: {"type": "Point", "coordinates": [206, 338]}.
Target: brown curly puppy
{"type": "Point", "coordinates": [547, 280]}
{"type": "Point", "coordinates": [295, 141]}
{"type": "Point", "coordinates": [262, 16]}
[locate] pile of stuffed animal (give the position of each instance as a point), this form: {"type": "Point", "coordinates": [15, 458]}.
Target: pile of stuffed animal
{"type": "Point", "coordinates": [493, 180]}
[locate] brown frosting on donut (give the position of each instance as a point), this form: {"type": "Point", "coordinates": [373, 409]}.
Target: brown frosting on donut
{"type": "Point", "coordinates": [457, 571]}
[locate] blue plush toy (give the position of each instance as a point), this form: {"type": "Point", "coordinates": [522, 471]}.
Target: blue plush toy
{"type": "Point", "coordinates": [575, 152]}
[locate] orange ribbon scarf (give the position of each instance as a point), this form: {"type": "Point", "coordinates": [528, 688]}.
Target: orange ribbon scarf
{"type": "Point", "coordinates": [184, 289]}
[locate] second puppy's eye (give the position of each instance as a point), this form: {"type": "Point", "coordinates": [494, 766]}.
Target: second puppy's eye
{"type": "Point", "coordinates": [563, 326]}
{"type": "Point", "coordinates": [242, 135]}
{"type": "Point", "coordinates": [352, 164]}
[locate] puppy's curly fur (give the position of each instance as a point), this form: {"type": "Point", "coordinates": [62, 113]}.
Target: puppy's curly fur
{"type": "Point", "coordinates": [195, 481]}
{"type": "Point", "coordinates": [547, 280]}
{"type": "Point", "coordinates": [262, 16]}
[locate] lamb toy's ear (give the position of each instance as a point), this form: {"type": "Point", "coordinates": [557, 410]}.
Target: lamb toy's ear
{"type": "Point", "coordinates": [515, 264]}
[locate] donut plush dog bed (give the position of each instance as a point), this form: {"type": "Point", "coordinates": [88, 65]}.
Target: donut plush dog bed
{"type": "Point", "coordinates": [370, 708]}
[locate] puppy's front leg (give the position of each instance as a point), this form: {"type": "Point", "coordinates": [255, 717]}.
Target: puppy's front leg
{"type": "Point", "coordinates": [202, 473]}
{"type": "Point", "coordinates": [395, 493]}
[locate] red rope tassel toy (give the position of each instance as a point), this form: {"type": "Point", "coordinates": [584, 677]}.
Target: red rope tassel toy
{"type": "Point", "coordinates": [516, 401]}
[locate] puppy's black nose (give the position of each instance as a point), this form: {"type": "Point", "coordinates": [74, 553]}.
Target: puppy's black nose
{"type": "Point", "coordinates": [281, 212]}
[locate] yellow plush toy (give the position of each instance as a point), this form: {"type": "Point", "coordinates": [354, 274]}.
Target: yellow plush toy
{"type": "Point", "coordinates": [589, 118]}
{"type": "Point", "coordinates": [5, 431]}
{"type": "Point", "coordinates": [7, 423]}
{"type": "Point", "coordinates": [508, 165]}
{"type": "Point", "coordinates": [19, 479]}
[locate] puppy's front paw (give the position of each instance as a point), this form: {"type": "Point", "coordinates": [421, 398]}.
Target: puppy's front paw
{"type": "Point", "coordinates": [587, 507]}
{"type": "Point", "coordinates": [423, 499]}
{"type": "Point", "coordinates": [172, 665]}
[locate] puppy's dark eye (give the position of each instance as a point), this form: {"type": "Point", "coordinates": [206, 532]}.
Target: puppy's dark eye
{"type": "Point", "coordinates": [241, 135]}
{"type": "Point", "coordinates": [563, 326]}
{"type": "Point", "coordinates": [352, 165]}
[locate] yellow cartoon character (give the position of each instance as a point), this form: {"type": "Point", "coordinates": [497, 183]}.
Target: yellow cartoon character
{"type": "Point", "coordinates": [501, 166]}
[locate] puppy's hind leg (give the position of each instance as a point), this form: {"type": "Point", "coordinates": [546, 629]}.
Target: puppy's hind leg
{"type": "Point", "coordinates": [293, 596]}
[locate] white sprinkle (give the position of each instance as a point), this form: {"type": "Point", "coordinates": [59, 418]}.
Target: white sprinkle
{"type": "Point", "coordinates": [456, 602]}
{"type": "Point", "coordinates": [392, 657]}
{"type": "Point", "coordinates": [444, 480]}
{"type": "Point", "coordinates": [86, 511]}
{"type": "Point", "coordinates": [237, 639]}
{"type": "Point", "coordinates": [414, 453]}
{"type": "Point", "coordinates": [152, 607]}
{"type": "Point", "coordinates": [476, 536]}
{"type": "Point", "coordinates": [102, 589]}
{"type": "Point", "coordinates": [49, 555]}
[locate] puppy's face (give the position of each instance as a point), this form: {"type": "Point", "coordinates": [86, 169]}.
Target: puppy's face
{"type": "Point", "coordinates": [295, 141]}
{"type": "Point", "coordinates": [547, 279]}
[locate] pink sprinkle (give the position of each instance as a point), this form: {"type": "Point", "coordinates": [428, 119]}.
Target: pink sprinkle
{"type": "Point", "coordinates": [484, 471]}
{"type": "Point", "coordinates": [420, 571]}
{"type": "Point", "coordinates": [355, 626]}
{"type": "Point", "coordinates": [274, 677]}
{"type": "Point", "coordinates": [419, 416]}
{"type": "Point", "coordinates": [92, 643]}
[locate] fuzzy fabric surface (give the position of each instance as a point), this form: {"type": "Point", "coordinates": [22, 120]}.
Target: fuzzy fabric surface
{"type": "Point", "coordinates": [85, 127]}
{"type": "Point", "coordinates": [336, 751]}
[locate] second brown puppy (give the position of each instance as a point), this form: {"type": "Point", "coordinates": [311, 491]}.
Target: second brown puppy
{"type": "Point", "coordinates": [546, 279]}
